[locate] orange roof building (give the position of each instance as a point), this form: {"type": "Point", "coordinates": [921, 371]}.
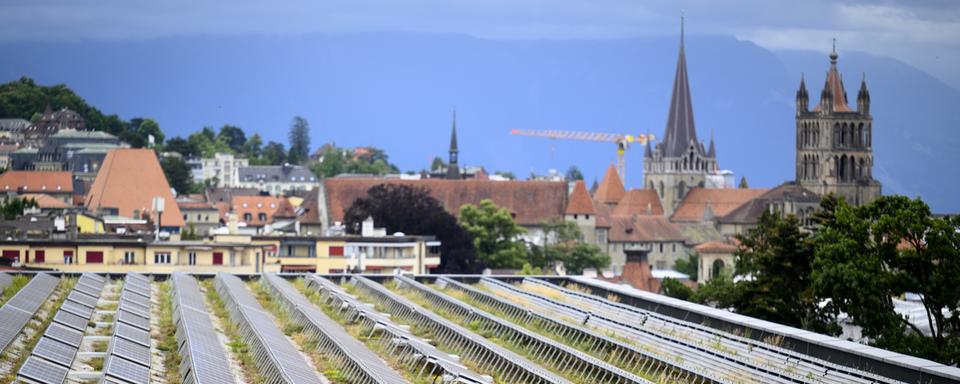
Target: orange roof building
{"type": "Point", "coordinates": [45, 201]}
{"type": "Point", "coordinates": [611, 189]}
{"type": "Point", "coordinates": [59, 183]}
{"type": "Point", "coordinates": [702, 204]}
{"type": "Point", "coordinates": [639, 202]}
{"type": "Point", "coordinates": [257, 210]}
{"type": "Point", "coordinates": [128, 181]}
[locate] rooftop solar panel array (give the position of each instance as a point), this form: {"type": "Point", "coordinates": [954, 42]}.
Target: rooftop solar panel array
{"type": "Point", "coordinates": [277, 359]}
{"type": "Point", "coordinates": [483, 353]}
{"type": "Point", "coordinates": [128, 356]}
{"type": "Point", "coordinates": [16, 313]}
{"type": "Point", "coordinates": [359, 363]}
{"type": "Point", "coordinates": [53, 354]}
{"type": "Point", "coordinates": [412, 352]}
{"type": "Point", "coordinates": [202, 357]}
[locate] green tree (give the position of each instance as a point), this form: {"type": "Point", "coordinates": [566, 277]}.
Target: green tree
{"type": "Point", "coordinates": [574, 174]}
{"type": "Point", "coordinates": [178, 174]}
{"type": "Point", "coordinates": [775, 259]}
{"type": "Point", "coordinates": [13, 207]}
{"type": "Point", "coordinates": [233, 136]}
{"type": "Point", "coordinates": [273, 154]}
{"type": "Point", "coordinates": [867, 255]}
{"type": "Point", "coordinates": [564, 244]}
{"type": "Point", "coordinates": [437, 163]}
{"type": "Point", "coordinates": [743, 183]}
{"type": "Point", "coordinates": [181, 146]}
{"type": "Point", "coordinates": [719, 291]}
{"type": "Point", "coordinates": [207, 144]}
{"type": "Point", "coordinates": [299, 141]}
{"type": "Point", "coordinates": [149, 128]}
{"type": "Point", "coordinates": [411, 210]}
{"type": "Point", "coordinates": [495, 235]}
{"type": "Point", "coordinates": [689, 266]}
{"type": "Point", "coordinates": [676, 289]}
{"type": "Point", "coordinates": [253, 148]}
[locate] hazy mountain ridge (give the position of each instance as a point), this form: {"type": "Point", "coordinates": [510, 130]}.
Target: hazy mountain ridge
{"type": "Point", "coordinates": [397, 91]}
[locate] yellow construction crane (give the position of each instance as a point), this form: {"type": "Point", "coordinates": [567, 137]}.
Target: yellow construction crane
{"type": "Point", "coordinates": [622, 141]}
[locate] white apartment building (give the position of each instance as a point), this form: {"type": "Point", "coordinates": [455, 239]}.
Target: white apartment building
{"type": "Point", "coordinates": [223, 167]}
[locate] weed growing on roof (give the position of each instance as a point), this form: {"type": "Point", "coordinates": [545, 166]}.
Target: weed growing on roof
{"type": "Point", "coordinates": [168, 337]}
{"type": "Point", "coordinates": [240, 349]}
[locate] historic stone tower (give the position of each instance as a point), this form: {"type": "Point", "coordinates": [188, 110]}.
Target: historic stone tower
{"type": "Point", "coordinates": [679, 162]}
{"type": "Point", "coordinates": [834, 142]}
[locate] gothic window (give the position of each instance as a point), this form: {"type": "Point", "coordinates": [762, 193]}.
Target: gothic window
{"type": "Point", "coordinates": [836, 134]}
{"type": "Point", "coordinates": [841, 175]}
{"type": "Point", "coordinates": [681, 190]}
{"type": "Point", "coordinates": [860, 169]}
{"type": "Point", "coordinates": [716, 268]}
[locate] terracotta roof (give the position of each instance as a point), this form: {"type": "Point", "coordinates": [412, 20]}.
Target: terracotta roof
{"type": "Point", "coordinates": [580, 202]}
{"type": "Point", "coordinates": [834, 84]}
{"type": "Point", "coordinates": [310, 207]}
{"type": "Point", "coordinates": [639, 202]}
{"type": "Point", "coordinates": [716, 247]}
{"type": "Point", "coordinates": [195, 205]}
{"type": "Point", "coordinates": [749, 213]}
{"type": "Point", "coordinates": [634, 229]}
{"type": "Point", "coordinates": [285, 210]}
{"type": "Point", "coordinates": [720, 202]}
{"type": "Point", "coordinates": [128, 180]}
{"type": "Point", "coordinates": [531, 202]}
{"type": "Point", "coordinates": [604, 212]}
{"type": "Point", "coordinates": [611, 188]}
{"type": "Point", "coordinates": [256, 205]}
{"type": "Point", "coordinates": [36, 181]}
{"type": "Point", "coordinates": [47, 201]}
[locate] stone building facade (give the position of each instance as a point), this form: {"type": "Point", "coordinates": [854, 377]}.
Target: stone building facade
{"type": "Point", "coordinates": [835, 142]}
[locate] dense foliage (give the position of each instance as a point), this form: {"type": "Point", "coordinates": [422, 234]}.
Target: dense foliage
{"type": "Point", "coordinates": [13, 207]}
{"type": "Point", "coordinates": [402, 208]}
{"type": "Point", "coordinates": [299, 141]}
{"type": "Point", "coordinates": [334, 160]}
{"type": "Point", "coordinates": [564, 245]}
{"type": "Point", "coordinates": [496, 236]}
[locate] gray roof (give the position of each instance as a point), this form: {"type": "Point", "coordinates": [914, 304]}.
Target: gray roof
{"type": "Point", "coordinates": [13, 124]}
{"type": "Point", "coordinates": [84, 134]}
{"type": "Point", "coordinates": [681, 130]}
{"type": "Point", "coordinates": [750, 212]}
{"type": "Point", "coordinates": [277, 174]}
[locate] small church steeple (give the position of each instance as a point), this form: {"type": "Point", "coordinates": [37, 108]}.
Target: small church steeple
{"type": "Point", "coordinates": [453, 170]}
{"type": "Point", "coordinates": [803, 98]}
{"type": "Point", "coordinates": [863, 97]}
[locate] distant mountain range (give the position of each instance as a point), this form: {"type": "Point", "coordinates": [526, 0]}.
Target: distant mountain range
{"type": "Point", "coordinates": [397, 92]}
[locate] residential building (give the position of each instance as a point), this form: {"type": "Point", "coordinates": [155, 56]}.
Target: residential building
{"type": "Point", "coordinates": [128, 183]}
{"type": "Point", "coordinates": [277, 179]}
{"type": "Point", "coordinates": [224, 168]}
{"type": "Point", "coordinates": [679, 162]}
{"type": "Point", "coordinates": [5, 151]}
{"type": "Point", "coordinates": [199, 216]}
{"type": "Point", "coordinates": [52, 122]}
{"type": "Point", "coordinates": [835, 142]}
{"type": "Point", "coordinates": [786, 199]}
{"type": "Point", "coordinates": [58, 185]}
{"type": "Point", "coordinates": [11, 130]}
{"type": "Point", "coordinates": [716, 257]}
{"type": "Point", "coordinates": [80, 152]}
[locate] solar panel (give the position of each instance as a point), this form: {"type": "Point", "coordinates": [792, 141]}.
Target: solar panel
{"type": "Point", "coordinates": [87, 289]}
{"type": "Point", "coordinates": [71, 320]}
{"type": "Point", "coordinates": [127, 371]}
{"type": "Point", "coordinates": [64, 335]}
{"type": "Point", "coordinates": [94, 276]}
{"type": "Point", "coordinates": [134, 320]}
{"type": "Point", "coordinates": [77, 309]}
{"type": "Point", "coordinates": [135, 309]}
{"type": "Point", "coordinates": [131, 351]}
{"type": "Point", "coordinates": [133, 334]}
{"type": "Point", "coordinates": [132, 298]}
{"type": "Point", "coordinates": [35, 293]}
{"type": "Point", "coordinates": [55, 352]}
{"type": "Point", "coordinates": [82, 299]}
{"type": "Point", "coordinates": [42, 371]}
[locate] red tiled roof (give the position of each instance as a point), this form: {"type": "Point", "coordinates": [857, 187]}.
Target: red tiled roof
{"type": "Point", "coordinates": [36, 182]}
{"type": "Point", "coordinates": [611, 188]}
{"type": "Point", "coordinates": [835, 84]}
{"type": "Point", "coordinates": [195, 205]}
{"type": "Point", "coordinates": [639, 202]}
{"type": "Point", "coordinates": [128, 180]}
{"type": "Point", "coordinates": [47, 201]}
{"type": "Point", "coordinates": [531, 202]}
{"type": "Point", "coordinates": [721, 201]}
{"type": "Point", "coordinates": [633, 229]}
{"type": "Point", "coordinates": [716, 247]}
{"type": "Point", "coordinates": [256, 205]}
{"type": "Point", "coordinates": [580, 203]}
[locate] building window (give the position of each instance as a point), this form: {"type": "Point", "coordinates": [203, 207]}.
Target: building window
{"type": "Point", "coordinates": [68, 257]}
{"type": "Point", "coordinates": [95, 257]}
{"type": "Point", "coordinates": [247, 217]}
{"type": "Point", "coordinates": [336, 251]}
{"type": "Point", "coordinates": [674, 247]}
{"type": "Point", "coordinates": [161, 258]}
{"type": "Point", "coordinates": [192, 258]}
{"type": "Point", "coordinates": [661, 247]}
{"type": "Point", "coordinates": [262, 216]}
{"type": "Point", "coordinates": [129, 257]}
{"type": "Point", "coordinates": [40, 257]}
{"type": "Point", "coordinates": [661, 264]}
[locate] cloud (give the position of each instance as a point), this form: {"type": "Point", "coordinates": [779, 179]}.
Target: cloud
{"type": "Point", "coordinates": [907, 30]}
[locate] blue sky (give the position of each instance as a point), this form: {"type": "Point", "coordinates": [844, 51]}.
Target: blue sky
{"type": "Point", "coordinates": [925, 33]}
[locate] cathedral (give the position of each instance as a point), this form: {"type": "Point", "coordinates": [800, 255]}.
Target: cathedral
{"type": "Point", "coordinates": [679, 162]}
{"type": "Point", "coordinates": [834, 142]}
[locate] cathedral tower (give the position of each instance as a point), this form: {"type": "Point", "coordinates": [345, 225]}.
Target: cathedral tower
{"type": "Point", "coordinates": [835, 142]}
{"type": "Point", "coordinates": [679, 162]}
{"type": "Point", "coordinates": [453, 169]}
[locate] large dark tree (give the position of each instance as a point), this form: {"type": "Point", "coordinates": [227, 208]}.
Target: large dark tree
{"type": "Point", "coordinates": [233, 136]}
{"type": "Point", "coordinates": [411, 210]}
{"type": "Point", "coordinates": [181, 146]}
{"type": "Point", "coordinates": [178, 174]}
{"type": "Point", "coordinates": [299, 140]}
{"type": "Point", "coordinates": [273, 154]}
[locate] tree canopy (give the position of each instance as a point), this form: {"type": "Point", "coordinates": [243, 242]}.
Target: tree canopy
{"type": "Point", "coordinates": [564, 244]}
{"type": "Point", "coordinates": [299, 141]}
{"type": "Point", "coordinates": [367, 160]}
{"type": "Point", "coordinates": [496, 236]}
{"type": "Point", "coordinates": [411, 210]}
{"type": "Point", "coordinates": [178, 174]}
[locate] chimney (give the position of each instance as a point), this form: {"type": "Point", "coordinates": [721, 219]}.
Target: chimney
{"type": "Point", "coordinates": [636, 271]}
{"type": "Point", "coordinates": [232, 225]}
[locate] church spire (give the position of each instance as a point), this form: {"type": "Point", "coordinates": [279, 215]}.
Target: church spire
{"type": "Point", "coordinates": [680, 126]}
{"type": "Point", "coordinates": [863, 97]}
{"type": "Point", "coordinates": [453, 170]}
